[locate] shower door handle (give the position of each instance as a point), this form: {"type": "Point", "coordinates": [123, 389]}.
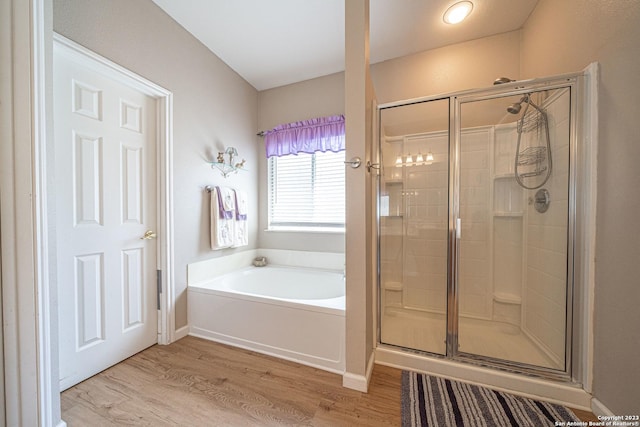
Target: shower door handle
{"type": "Point", "coordinates": [458, 228]}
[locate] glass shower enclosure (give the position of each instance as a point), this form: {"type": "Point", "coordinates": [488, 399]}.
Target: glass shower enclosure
{"type": "Point", "coordinates": [476, 222]}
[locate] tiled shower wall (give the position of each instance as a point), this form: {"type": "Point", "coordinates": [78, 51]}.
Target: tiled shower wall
{"type": "Point", "coordinates": [475, 281]}
{"type": "Point", "coordinates": [425, 255]}
{"type": "Point", "coordinates": [544, 302]}
{"type": "Point", "coordinates": [426, 221]}
{"type": "Point", "coordinates": [508, 216]}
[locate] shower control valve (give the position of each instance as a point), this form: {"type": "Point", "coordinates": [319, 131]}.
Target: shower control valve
{"type": "Point", "coordinates": [541, 200]}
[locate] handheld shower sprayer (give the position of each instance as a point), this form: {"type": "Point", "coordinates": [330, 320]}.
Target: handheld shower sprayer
{"type": "Point", "coordinates": [532, 156]}
{"type": "Point", "coordinates": [535, 119]}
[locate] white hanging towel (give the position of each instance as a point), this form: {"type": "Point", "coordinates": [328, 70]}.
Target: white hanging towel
{"type": "Point", "coordinates": [222, 218]}
{"type": "Point", "coordinates": [241, 236]}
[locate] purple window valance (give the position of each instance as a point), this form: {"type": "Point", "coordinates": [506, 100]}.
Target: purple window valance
{"type": "Point", "coordinates": [308, 136]}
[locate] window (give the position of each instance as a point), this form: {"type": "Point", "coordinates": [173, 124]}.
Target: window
{"type": "Point", "coordinates": [306, 174]}
{"type": "Point", "coordinates": [306, 192]}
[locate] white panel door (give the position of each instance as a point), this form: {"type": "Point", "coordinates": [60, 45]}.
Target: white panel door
{"type": "Point", "coordinates": [105, 169]}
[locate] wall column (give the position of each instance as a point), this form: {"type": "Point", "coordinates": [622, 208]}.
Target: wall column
{"type": "Point", "coordinates": [359, 241]}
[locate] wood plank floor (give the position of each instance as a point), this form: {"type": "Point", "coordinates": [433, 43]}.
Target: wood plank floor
{"type": "Point", "coordinates": [194, 382]}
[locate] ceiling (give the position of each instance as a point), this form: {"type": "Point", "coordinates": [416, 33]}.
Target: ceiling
{"type": "Point", "coordinates": [272, 43]}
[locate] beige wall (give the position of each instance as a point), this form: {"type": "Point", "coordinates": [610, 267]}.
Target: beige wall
{"type": "Point", "coordinates": [472, 64]}
{"type": "Point", "coordinates": [565, 36]}
{"type": "Point", "coordinates": [213, 108]}
{"type": "Point", "coordinates": [562, 37]}
{"type": "Point", "coordinates": [319, 97]}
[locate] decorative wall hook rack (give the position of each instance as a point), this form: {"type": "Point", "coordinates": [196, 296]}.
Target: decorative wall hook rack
{"type": "Point", "coordinates": [226, 162]}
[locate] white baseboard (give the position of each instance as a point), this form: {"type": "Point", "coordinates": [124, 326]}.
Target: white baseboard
{"type": "Point", "coordinates": [359, 382]}
{"type": "Point", "coordinates": [62, 423]}
{"type": "Point", "coordinates": [370, 365]}
{"type": "Point", "coordinates": [599, 408]}
{"type": "Point", "coordinates": [181, 333]}
{"type": "Point", "coordinates": [355, 382]}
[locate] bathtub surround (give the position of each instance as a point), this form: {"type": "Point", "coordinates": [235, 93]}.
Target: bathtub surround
{"type": "Point", "coordinates": [293, 308]}
{"type": "Point", "coordinates": [202, 271]}
{"type": "Point", "coordinates": [294, 314]}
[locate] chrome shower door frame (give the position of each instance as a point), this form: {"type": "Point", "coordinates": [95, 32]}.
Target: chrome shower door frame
{"type": "Point", "coordinates": [574, 83]}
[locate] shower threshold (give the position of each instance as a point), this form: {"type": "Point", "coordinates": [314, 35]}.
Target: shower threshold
{"type": "Point", "coordinates": [498, 340]}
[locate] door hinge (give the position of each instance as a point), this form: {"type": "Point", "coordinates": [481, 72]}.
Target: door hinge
{"type": "Point", "coordinates": [159, 287]}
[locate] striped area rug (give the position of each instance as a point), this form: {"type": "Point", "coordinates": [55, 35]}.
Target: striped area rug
{"type": "Point", "coordinates": [438, 402]}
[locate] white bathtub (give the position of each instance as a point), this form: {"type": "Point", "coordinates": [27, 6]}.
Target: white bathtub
{"type": "Point", "coordinates": [292, 313]}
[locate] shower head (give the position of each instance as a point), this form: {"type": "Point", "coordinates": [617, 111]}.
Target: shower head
{"type": "Point", "coordinates": [517, 106]}
{"type": "Point", "coordinates": [501, 80]}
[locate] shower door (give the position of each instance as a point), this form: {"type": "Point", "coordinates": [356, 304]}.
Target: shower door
{"type": "Point", "coordinates": [513, 258]}
{"type": "Point", "coordinates": [476, 220]}
{"type": "Point", "coordinates": [413, 212]}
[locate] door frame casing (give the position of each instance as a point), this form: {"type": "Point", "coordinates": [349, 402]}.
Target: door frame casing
{"type": "Point", "coordinates": [29, 297]}
{"type": "Point", "coordinates": [25, 48]}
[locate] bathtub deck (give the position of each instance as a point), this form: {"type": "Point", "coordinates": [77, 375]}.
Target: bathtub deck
{"type": "Point", "coordinates": [194, 382]}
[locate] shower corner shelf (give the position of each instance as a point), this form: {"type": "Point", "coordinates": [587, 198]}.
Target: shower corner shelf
{"type": "Point", "coordinates": [508, 214]}
{"type": "Point", "coordinates": [506, 298]}
{"type": "Point", "coordinates": [393, 286]}
{"type": "Point", "coordinates": [508, 175]}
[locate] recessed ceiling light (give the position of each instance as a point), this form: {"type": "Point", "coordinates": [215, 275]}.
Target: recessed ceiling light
{"type": "Point", "coordinates": [458, 12]}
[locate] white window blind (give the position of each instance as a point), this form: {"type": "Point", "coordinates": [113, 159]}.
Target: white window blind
{"type": "Point", "coordinates": [306, 191]}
